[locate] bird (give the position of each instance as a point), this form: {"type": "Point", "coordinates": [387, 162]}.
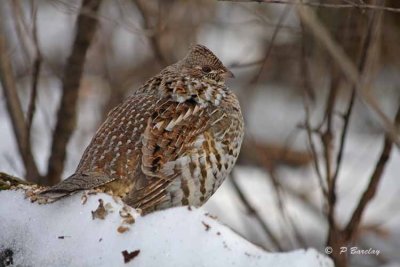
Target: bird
{"type": "Point", "coordinates": [171, 143]}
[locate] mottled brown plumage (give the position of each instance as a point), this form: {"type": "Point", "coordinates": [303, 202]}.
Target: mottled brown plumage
{"type": "Point", "coordinates": [171, 143]}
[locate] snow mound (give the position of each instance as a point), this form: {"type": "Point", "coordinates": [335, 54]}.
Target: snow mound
{"type": "Point", "coordinates": [99, 230]}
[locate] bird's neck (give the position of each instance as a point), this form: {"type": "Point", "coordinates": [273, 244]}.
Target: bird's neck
{"type": "Point", "coordinates": [181, 88]}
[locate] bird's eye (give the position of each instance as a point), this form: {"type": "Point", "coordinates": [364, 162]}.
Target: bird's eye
{"type": "Point", "coordinates": [206, 69]}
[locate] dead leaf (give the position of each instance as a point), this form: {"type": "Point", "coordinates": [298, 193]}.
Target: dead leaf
{"type": "Point", "coordinates": [128, 256]}
{"type": "Point", "coordinates": [100, 212]}
{"type": "Point", "coordinates": [122, 229]}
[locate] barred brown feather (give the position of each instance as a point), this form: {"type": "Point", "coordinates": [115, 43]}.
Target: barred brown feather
{"type": "Point", "coordinates": [171, 143]}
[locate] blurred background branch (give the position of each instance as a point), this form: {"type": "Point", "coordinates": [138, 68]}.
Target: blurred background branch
{"type": "Point", "coordinates": [66, 116]}
{"type": "Point", "coordinates": [15, 111]}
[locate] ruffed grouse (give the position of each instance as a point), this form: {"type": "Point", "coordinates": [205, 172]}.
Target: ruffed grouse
{"type": "Point", "coordinates": [171, 143]}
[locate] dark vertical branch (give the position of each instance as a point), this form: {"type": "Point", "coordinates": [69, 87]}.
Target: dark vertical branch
{"type": "Point", "coordinates": [283, 209]}
{"type": "Point", "coordinates": [21, 29]}
{"type": "Point", "coordinates": [66, 118]}
{"type": "Point", "coordinates": [346, 117]}
{"type": "Point", "coordinates": [281, 20]}
{"type": "Point", "coordinates": [153, 37]}
{"type": "Point", "coordinates": [15, 111]}
{"type": "Point", "coordinates": [308, 97]}
{"type": "Point", "coordinates": [347, 67]}
{"type": "Point", "coordinates": [309, 131]}
{"type": "Point", "coordinates": [328, 139]}
{"type": "Point", "coordinates": [361, 66]}
{"type": "Point", "coordinates": [37, 63]}
{"type": "Point", "coordinates": [341, 237]}
{"type": "Point", "coordinates": [369, 193]}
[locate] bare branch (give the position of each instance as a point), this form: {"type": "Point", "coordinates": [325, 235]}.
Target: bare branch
{"type": "Point", "coordinates": [313, 149]}
{"type": "Point", "coordinates": [370, 191]}
{"type": "Point", "coordinates": [327, 136]}
{"type": "Point", "coordinates": [284, 211]}
{"type": "Point", "coordinates": [253, 212]}
{"type": "Point", "coordinates": [348, 68]}
{"type": "Point", "coordinates": [70, 7]}
{"type": "Point", "coordinates": [15, 111]}
{"type": "Point", "coordinates": [278, 27]}
{"type": "Point", "coordinates": [37, 63]}
{"type": "Point", "coordinates": [346, 116]}
{"type": "Point", "coordinates": [153, 38]}
{"type": "Point", "coordinates": [320, 4]}
{"type": "Point", "coordinates": [21, 29]}
{"type": "Point", "coordinates": [66, 117]}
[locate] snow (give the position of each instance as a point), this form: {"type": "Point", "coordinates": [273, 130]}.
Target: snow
{"type": "Point", "coordinates": [66, 233]}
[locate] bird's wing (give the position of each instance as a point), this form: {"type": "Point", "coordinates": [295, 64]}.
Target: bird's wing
{"type": "Point", "coordinates": [112, 152]}
{"type": "Point", "coordinates": [170, 135]}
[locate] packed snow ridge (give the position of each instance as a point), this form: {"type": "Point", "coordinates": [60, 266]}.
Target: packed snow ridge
{"type": "Point", "coordinates": [99, 230]}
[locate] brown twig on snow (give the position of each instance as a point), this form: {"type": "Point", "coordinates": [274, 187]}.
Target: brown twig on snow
{"type": "Point", "coordinates": [8, 181]}
{"type": "Point", "coordinates": [66, 116]}
{"type": "Point", "coordinates": [16, 114]}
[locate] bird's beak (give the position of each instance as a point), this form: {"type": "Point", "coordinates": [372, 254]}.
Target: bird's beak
{"type": "Point", "coordinates": [228, 74]}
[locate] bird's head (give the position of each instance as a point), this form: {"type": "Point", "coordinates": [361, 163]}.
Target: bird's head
{"type": "Point", "coordinates": [201, 63]}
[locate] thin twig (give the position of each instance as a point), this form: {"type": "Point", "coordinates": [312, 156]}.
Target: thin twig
{"type": "Point", "coordinates": [153, 38]}
{"type": "Point", "coordinates": [69, 7]}
{"type": "Point", "coordinates": [313, 149]}
{"type": "Point", "coordinates": [253, 212]}
{"type": "Point", "coordinates": [278, 27]}
{"type": "Point", "coordinates": [327, 139]}
{"type": "Point", "coordinates": [308, 96]}
{"type": "Point", "coordinates": [306, 83]}
{"type": "Point", "coordinates": [327, 135]}
{"type": "Point", "coordinates": [66, 117]}
{"type": "Point", "coordinates": [283, 209]}
{"type": "Point", "coordinates": [252, 86]}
